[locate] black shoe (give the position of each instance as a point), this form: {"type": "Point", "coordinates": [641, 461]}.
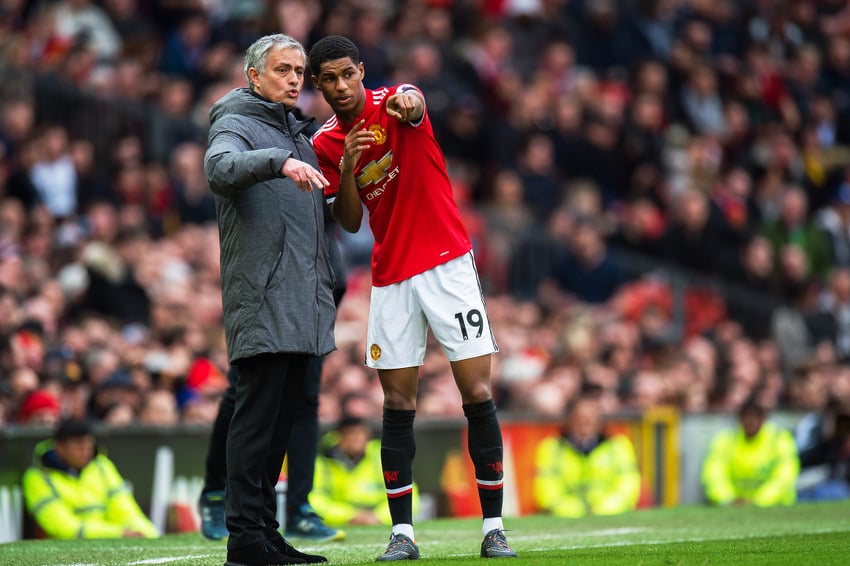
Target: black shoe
{"type": "Point", "coordinates": [495, 545]}
{"type": "Point", "coordinates": [287, 549]}
{"type": "Point", "coordinates": [401, 547]}
{"type": "Point", "coordinates": [261, 553]}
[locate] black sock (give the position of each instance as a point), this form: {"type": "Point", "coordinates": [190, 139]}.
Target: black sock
{"type": "Point", "coordinates": [485, 449]}
{"type": "Point", "coordinates": [398, 447]}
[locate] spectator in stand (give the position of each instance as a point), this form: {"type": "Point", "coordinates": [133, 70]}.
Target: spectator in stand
{"type": "Point", "coordinates": [348, 488]}
{"type": "Point", "coordinates": [133, 25]}
{"type": "Point", "coordinates": [703, 107]}
{"type": "Point", "coordinates": [84, 22]}
{"type": "Point", "coordinates": [831, 450]}
{"type": "Point", "coordinates": [40, 408]}
{"type": "Point", "coordinates": [808, 393]}
{"type": "Point", "coordinates": [119, 389]}
{"type": "Point", "coordinates": [74, 492]}
{"type": "Point", "coordinates": [541, 190]}
{"type": "Point", "coordinates": [536, 257]}
{"type": "Point", "coordinates": [794, 283]}
{"type": "Point", "coordinates": [584, 471]}
{"type": "Point", "coordinates": [202, 392]}
{"type": "Point", "coordinates": [184, 48]}
{"type": "Point", "coordinates": [507, 220]}
{"type": "Point", "coordinates": [754, 298]}
{"type": "Point", "coordinates": [754, 463]}
{"type": "Point", "coordinates": [53, 174]}
{"type": "Point", "coordinates": [755, 265]}
{"type": "Point", "coordinates": [173, 106]}
{"type": "Point", "coordinates": [596, 156]}
{"type": "Point", "coordinates": [604, 41]}
{"type": "Point", "coordinates": [834, 304]}
{"type": "Point", "coordinates": [195, 204]}
{"type": "Point", "coordinates": [793, 227]}
{"type": "Point", "coordinates": [835, 76]}
{"type": "Point", "coordinates": [590, 273]}
{"type": "Point", "coordinates": [638, 228]}
{"type": "Point", "coordinates": [697, 237]}
{"type": "Point", "coordinates": [113, 289]}
{"type": "Point", "coordinates": [159, 408]}
{"type": "Point", "coordinates": [20, 380]}
{"type": "Point", "coordinates": [643, 145]}
{"type": "Point", "coordinates": [733, 195]}
{"type": "Point", "coordinates": [834, 220]}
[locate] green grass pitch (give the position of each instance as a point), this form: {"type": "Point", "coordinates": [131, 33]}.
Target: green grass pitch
{"type": "Point", "coordinates": [817, 534]}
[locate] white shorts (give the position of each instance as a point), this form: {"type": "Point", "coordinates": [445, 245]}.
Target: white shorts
{"type": "Point", "coordinates": [447, 298]}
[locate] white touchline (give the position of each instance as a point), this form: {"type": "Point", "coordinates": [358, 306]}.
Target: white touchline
{"type": "Point", "coordinates": [167, 559]}
{"type": "Point", "coordinates": [660, 542]}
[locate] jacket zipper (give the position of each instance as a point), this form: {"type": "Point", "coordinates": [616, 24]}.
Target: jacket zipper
{"type": "Point", "coordinates": [320, 234]}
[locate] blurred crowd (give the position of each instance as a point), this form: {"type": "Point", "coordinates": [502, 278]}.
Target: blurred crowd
{"type": "Point", "coordinates": [658, 193]}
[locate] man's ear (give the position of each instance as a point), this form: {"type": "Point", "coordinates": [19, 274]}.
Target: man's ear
{"type": "Point", "coordinates": [253, 74]}
{"type": "Point", "coordinates": [362, 70]}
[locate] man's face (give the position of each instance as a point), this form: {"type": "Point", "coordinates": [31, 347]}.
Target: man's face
{"type": "Point", "coordinates": [353, 440]}
{"type": "Point", "coordinates": [751, 423]}
{"type": "Point", "coordinates": [283, 77]}
{"type": "Point", "coordinates": [585, 422]}
{"type": "Point", "coordinates": [340, 82]}
{"type": "Point", "coordinates": [77, 451]}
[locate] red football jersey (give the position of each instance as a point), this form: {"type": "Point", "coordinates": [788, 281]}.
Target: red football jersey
{"type": "Point", "coordinates": [402, 180]}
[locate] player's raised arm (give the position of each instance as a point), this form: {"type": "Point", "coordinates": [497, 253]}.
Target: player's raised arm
{"type": "Point", "coordinates": [406, 104]}
{"type": "Point", "coordinates": [346, 208]}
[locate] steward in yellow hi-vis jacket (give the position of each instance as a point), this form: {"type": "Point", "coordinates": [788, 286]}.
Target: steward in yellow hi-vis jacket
{"type": "Point", "coordinates": [753, 463]}
{"type": "Point", "coordinates": [348, 486]}
{"type": "Point", "coordinates": [73, 492]}
{"type": "Point", "coordinates": [583, 472]}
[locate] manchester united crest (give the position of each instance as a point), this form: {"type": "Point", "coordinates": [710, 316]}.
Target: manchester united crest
{"type": "Point", "coordinates": [375, 352]}
{"type": "Point", "coordinates": [379, 133]}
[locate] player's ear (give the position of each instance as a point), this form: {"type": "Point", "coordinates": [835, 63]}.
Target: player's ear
{"type": "Point", "coordinates": [362, 70]}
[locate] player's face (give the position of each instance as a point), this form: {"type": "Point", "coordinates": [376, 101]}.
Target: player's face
{"type": "Point", "coordinates": [341, 83]}
{"type": "Point", "coordinates": [283, 77]}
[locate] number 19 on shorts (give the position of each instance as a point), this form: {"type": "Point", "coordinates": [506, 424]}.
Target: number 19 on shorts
{"type": "Point", "coordinates": [474, 319]}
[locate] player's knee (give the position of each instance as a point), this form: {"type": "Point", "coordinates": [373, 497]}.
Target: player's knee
{"type": "Point", "coordinates": [476, 392]}
{"type": "Point", "coordinates": [399, 400]}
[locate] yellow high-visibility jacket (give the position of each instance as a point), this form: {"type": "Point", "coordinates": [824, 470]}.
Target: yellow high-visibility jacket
{"type": "Point", "coordinates": [569, 483]}
{"type": "Point", "coordinates": [94, 504]}
{"type": "Point", "coordinates": [341, 490]}
{"type": "Point", "coordinates": [762, 470]}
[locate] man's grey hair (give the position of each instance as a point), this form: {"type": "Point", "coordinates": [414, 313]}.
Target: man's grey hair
{"type": "Point", "coordinates": [258, 52]}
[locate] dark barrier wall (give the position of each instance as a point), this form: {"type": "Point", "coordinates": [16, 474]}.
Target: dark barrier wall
{"type": "Point", "coordinates": [133, 450]}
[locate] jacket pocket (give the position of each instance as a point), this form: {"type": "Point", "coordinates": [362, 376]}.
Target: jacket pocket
{"type": "Point", "coordinates": [278, 260]}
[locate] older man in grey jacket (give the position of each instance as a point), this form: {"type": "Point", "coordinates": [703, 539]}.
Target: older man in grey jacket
{"type": "Point", "coordinates": [276, 283]}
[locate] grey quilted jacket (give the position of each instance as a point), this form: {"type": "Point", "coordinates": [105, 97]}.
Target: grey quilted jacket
{"type": "Point", "coordinates": [276, 276]}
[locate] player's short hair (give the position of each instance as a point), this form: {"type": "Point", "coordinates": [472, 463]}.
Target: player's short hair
{"type": "Point", "coordinates": [258, 52]}
{"type": "Point", "coordinates": [330, 48]}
